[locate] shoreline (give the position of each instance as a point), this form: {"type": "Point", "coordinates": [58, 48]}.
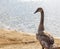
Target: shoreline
{"type": "Point", "coordinates": [16, 40]}
{"type": "Point", "coordinates": [26, 32]}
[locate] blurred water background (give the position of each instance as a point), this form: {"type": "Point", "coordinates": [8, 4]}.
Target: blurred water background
{"type": "Point", "coordinates": [19, 15]}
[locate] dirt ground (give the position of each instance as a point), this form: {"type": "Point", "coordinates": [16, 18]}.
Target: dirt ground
{"type": "Point", "coordinates": [19, 40]}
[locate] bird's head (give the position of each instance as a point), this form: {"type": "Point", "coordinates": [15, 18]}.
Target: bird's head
{"type": "Point", "coordinates": [38, 10]}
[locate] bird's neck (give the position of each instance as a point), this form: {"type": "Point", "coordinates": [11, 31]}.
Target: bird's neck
{"type": "Point", "coordinates": [41, 25]}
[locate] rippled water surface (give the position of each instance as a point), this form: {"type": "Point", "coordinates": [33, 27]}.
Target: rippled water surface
{"type": "Point", "coordinates": [20, 16]}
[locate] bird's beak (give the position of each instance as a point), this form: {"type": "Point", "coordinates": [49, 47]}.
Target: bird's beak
{"type": "Point", "coordinates": [35, 12]}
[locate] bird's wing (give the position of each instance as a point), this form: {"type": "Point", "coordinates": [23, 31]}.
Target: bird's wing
{"type": "Point", "coordinates": [49, 35]}
{"type": "Point", "coordinates": [49, 38]}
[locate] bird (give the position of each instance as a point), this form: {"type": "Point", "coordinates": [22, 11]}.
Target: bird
{"type": "Point", "coordinates": [46, 40]}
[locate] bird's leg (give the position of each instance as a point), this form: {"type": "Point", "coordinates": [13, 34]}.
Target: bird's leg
{"type": "Point", "coordinates": [42, 47]}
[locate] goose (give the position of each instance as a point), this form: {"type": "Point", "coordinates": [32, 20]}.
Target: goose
{"type": "Point", "coordinates": [45, 39]}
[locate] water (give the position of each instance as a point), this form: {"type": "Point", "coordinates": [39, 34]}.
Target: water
{"type": "Point", "coordinates": [20, 16]}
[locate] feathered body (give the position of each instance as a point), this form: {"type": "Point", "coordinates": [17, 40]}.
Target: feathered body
{"type": "Point", "coordinates": [46, 40]}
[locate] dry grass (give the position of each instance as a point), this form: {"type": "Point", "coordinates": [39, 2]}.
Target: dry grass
{"type": "Point", "coordinates": [19, 40]}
